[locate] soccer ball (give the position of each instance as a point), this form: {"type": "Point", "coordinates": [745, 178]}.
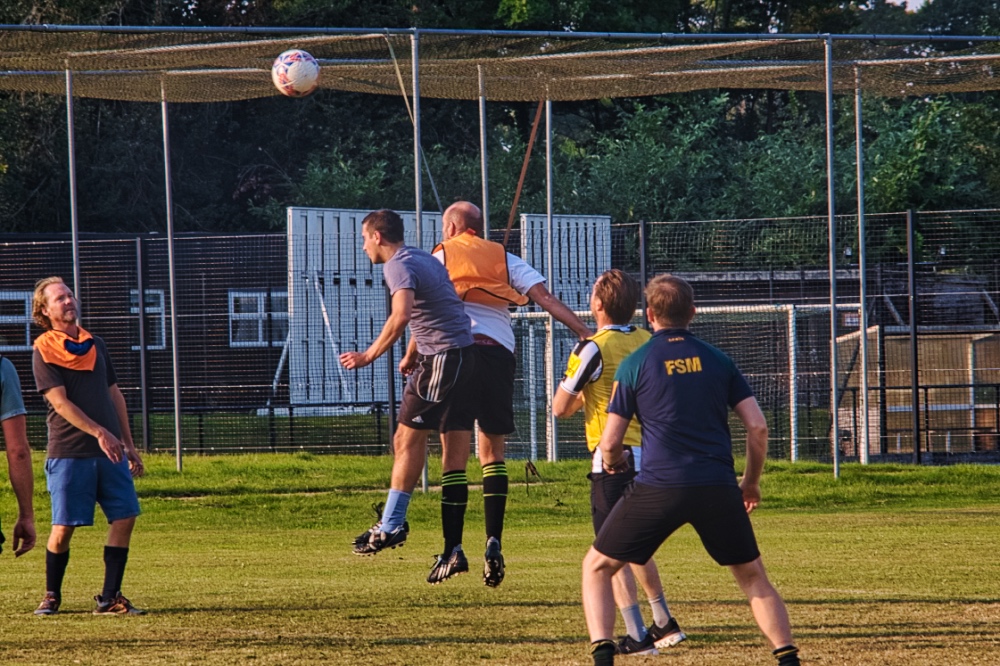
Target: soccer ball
{"type": "Point", "coordinates": [295, 73]}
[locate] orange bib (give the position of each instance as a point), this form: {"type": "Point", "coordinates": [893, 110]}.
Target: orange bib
{"type": "Point", "coordinates": [57, 348]}
{"type": "Point", "coordinates": [478, 268]}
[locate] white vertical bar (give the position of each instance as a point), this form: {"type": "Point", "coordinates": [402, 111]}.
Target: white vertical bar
{"type": "Point", "coordinates": [832, 222]}
{"type": "Point", "coordinates": [862, 268]}
{"type": "Point", "coordinates": [298, 307]}
{"type": "Point", "coordinates": [793, 383]}
{"type": "Point", "coordinates": [175, 356]}
{"type": "Point", "coordinates": [532, 392]}
{"type": "Point", "coordinates": [550, 347]}
{"type": "Point", "coordinates": [972, 393]}
{"type": "Point", "coordinates": [483, 156]}
{"type": "Point", "coordinates": [74, 219]}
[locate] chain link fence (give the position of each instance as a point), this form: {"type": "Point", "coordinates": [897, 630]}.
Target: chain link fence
{"type": "Point", "coordinates": [762, 288]}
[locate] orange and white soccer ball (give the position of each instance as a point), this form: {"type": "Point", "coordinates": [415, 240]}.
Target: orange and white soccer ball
{"type": "Point", "coordinates": [295, 73]}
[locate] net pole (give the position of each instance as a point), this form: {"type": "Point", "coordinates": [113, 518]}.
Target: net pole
{"type": "Point", "coordinates": [832, 237]}
{"type": "Point", "coordinates": [793, 384]}
{"type": "Point", "coordinates": [862, 268]}
{"type": "Point", "coordinates": [550, 339]}
{"type": "Point", "coordinates": [74, 219]}
{"type": "Point", "coordinates": [532, 393]}
{"type": "Point", "coordinates": [143, 379]}
{"type": "Point", "coordinates": [483, 155]}
{"type": "Point", "coordinates": [911, 284]}
{"type": "Point", "coordinates": [171, 261]}
{"type": "Point", "coordinates": [418, 201]}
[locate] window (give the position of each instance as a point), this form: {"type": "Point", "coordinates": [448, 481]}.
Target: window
{"type": "Point", "coordinates": [156, 327]}
{"type": "Point", "coordinates": [256, 320]}
{"type": "Point", "coordinates": [15, 321]}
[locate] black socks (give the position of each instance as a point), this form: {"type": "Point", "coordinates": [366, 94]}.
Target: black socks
{"type": "Point", "coordinates": [454, 499]}
{"type": "Point", "coordinates": [55, 570]}
{"type": "Point", "coordinates": [787, 656]}
{"type": "Point", "coordinates": [495, 498]}
{"type": "Point", "coordinates": [114, 570]}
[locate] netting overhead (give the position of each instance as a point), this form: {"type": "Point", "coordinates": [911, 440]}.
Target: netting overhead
{"type": "Point", "coordinates": [207, 66]}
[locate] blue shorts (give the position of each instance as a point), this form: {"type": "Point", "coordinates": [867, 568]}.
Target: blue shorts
{"type": "Point", "coordinates": [77, 484]}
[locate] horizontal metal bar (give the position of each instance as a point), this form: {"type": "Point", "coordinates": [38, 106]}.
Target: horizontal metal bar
{"type": "Point", "coordinates": [667, 36]}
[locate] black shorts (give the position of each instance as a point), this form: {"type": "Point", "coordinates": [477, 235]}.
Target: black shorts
{"type": "Point", "coordinates": [647, 515]}
{"type": "Point", "coordinates": [491, 396]}
{"type": "Point", "coordinates": [605, 491]}
{"type": "Point", "coordinates": [431, 399]}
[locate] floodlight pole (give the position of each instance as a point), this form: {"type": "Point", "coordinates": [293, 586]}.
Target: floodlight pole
{"type": "Point", "coordinates": [550, 336]}
{"type": "Point", "coordinates": [73, 217]}
{"type": "Point", "coordinates": [862, 269]}
{"type": "Point", "coordinates": [484, 166]}
{"type": "Point", "coordinates": [175, 359]}
{"type": "Point", "coordinates": [832, 222]}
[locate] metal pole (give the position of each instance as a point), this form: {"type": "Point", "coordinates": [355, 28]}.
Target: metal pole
{"type": "Point", "coordinates": [832, 223]}
{"type": "Point", "coordinates": [418, 201]}
{"type": "Point", "coordinates": [643, 270]}
{"type": "Point", "coordinates": [911, 283]}
{"type": "Point", "coordinates": [483, 155]}
{"type": "Point", "coordinates": [557, 34]}
{"type": "Point", "coordinates": [862, 270]}
{"type": "Point", "coordinates": [143, 379]}
{"type": "Point", "coordinates": [532, 393]}
{"type": "Point", "coordinates": [793, 384]}
{"type": "Point", "coordinates": [418, 197]}
{"type": "Point", "coordinates": [175, 357]}
{"type": "Point", "coordinates": [391, 380]}
{"type": "Point", "coordinates": [550, 342]}
{"type": "Point", "coordinates": [73, 217]}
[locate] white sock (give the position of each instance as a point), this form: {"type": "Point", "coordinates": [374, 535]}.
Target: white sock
{"type": "Point", "coordinates": [634, 625]}
{"type": "Point", "coordinates": [661, 614]}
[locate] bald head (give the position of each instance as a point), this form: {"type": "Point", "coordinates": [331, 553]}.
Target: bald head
{"type": "Point", "coordinates": [460, 216]}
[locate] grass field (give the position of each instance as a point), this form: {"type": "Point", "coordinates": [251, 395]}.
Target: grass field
{"type": "Point", "coordinates": [246, 560]}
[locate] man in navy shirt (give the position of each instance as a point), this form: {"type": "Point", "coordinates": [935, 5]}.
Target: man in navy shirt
{"type": "Point", "coordinates": [680, 389]}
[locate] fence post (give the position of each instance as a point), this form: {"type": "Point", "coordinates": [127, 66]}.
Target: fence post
{"type": "Point", "coordinates": [140, 270]}
{"type": "Point", "coordinates": [793, 385]}
{"type": "Point", "coordinates": [269, 341]}
{"type": "Point", "coordinates": [643, 269]}
{"type": "Point", "coordinates": [391, 379]}
{"type": "Point", "coordinates": [911, 283]}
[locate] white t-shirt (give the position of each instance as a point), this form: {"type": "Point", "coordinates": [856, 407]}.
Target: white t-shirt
{"type": "Point", "coordinates": [494, 320]}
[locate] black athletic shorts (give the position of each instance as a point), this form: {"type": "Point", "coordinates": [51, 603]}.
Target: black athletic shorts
{"type": "Point", "coordinates": [647, 515]}
{"type": "Point", "coordinates": [606, 489]}
{"type": "Point", "coordinates": [491, 395]}
{"type": "Point", "coordinates": [432, 397]}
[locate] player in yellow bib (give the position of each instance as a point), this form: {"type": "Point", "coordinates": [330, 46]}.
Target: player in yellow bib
{"type": "Point", "coordinates": [588, 383]}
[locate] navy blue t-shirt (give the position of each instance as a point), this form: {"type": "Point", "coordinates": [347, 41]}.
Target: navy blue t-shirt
{"type": "Point", "coordinates": [681, 389]}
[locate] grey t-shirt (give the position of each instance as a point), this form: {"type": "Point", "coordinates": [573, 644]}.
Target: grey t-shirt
{"type": "Point", "coordinates": [11, 402]}
{"type": "Point", "coordinates": [438, 321]}
{"type": "Point", "coordinates": [88, 390]}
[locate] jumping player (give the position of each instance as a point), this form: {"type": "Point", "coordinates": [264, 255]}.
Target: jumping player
{"type": "Point", "coordinates": [489, 280]}
{"type": "Point", "coordinates": [438, 369]}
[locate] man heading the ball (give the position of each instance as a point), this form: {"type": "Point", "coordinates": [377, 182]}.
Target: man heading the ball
{"type": "Point", "coordinates": [588, 381]}
{"type": "Point", "coordinates": [681, 390]}
{"type": "Point", "coordinates": [489, 280]}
